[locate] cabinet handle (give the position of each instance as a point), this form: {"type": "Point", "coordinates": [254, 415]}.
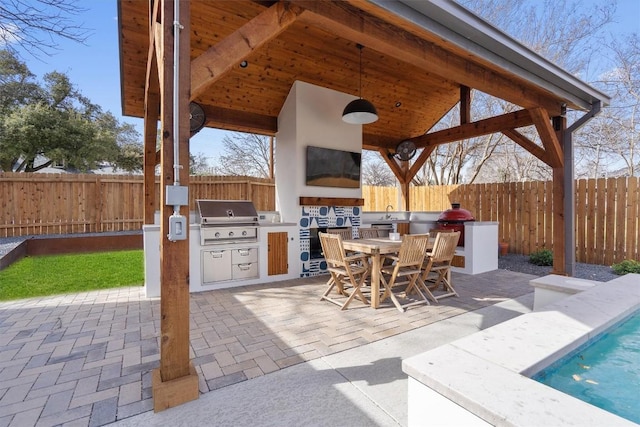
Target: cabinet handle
{"type": "Point", "coordinates": [217, 254]}
{"type": "Point", "coordinates": [244, 252]}
{"type": "Point", "coordinates": [244, 267]}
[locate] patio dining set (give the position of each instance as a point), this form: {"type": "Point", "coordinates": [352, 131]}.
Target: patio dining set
{"type": "Point", "coordinates": [412, 270]}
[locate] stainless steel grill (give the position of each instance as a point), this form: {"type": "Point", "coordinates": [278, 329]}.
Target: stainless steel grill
{"type": "Point", "coordinates": [227, 221]}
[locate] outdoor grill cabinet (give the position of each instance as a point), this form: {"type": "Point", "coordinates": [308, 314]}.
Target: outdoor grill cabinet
{"type": "Point", "coordinates": [219, 265]}
{"type": "Point", "coordinates": [271, 258]}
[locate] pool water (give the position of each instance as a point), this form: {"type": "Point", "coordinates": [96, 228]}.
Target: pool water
{"type": "Point", "coordinates": [605, 372]}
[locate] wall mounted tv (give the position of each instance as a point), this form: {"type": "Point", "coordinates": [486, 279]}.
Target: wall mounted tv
{"type": "Point", "coordinates": [333, 168]}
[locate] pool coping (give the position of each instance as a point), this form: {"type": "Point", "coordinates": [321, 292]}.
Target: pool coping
{"type": "Point", "coordinates": [487, 373]}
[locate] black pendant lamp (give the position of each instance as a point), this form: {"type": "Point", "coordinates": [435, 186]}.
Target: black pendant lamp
{"type": "Point", "coordinates": [360, 111]}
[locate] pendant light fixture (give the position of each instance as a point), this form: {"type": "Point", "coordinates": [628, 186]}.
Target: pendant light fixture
{"type": "Point", "coordinates": [360, 111]}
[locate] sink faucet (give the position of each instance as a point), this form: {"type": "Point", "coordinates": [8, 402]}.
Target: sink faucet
{"type": "Point", "coordinates": [387, 211]}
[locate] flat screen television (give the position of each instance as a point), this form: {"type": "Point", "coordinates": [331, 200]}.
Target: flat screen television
{"type": "Point", "coordinates": [333, 168]}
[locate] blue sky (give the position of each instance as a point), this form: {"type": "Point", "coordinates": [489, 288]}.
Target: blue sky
{"type": "Point", "coordinates": [95, 67]}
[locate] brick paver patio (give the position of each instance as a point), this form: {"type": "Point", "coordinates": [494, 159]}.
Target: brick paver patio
{"type": "Point", "coordinates": [86, 359]}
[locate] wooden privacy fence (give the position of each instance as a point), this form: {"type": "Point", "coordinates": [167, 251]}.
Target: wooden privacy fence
{"type": "Point", "coordinates": [34, 204]}
{"type": "Point", "coordinates": [607, 210]}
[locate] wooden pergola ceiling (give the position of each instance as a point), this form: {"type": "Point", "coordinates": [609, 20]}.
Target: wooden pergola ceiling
{"type": "Point", "coordinates": [412, 77]}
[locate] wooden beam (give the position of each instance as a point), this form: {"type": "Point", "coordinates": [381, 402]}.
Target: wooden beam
{"type": "Point", "coordinates": [240, 121]}
{"type": "Point", "coordinates": [354, 24]}
{"type": "Point", "coordinates": [420, 161]}
{"type": "Point", "coordinates": [527, 144]}
{"type": "Point", "coordinates": [495, 124]}
{"type": "Point", "coordinates": [548, 136]}
{"type": "Point", "coordinates": [465, 105]}
{"type": "Point", "coordinates": [330, 201]}
{"type": "Point", "coordinates": [233, 49]}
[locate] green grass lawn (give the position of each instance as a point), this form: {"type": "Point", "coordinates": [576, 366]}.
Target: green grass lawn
{"type": "Point", "coordinates": [62, 274]}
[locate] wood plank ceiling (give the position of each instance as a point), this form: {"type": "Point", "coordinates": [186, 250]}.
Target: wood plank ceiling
{"type": "Point", "coordinates": [412, 77]}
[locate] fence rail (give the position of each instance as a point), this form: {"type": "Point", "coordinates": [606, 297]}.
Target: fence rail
{"type": "Point", "coordinates": [607, 210]}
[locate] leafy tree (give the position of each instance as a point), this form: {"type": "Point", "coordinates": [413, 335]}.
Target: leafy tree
{"type": "Point", "coordinates": [245, 154]}
{"type": "Point", "coordinates": [56, 122]}
{"type": "Point", "coordinates": [35, 25]}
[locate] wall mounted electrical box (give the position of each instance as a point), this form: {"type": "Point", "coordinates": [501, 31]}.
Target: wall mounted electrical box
{"type": "Point", "coordinates": [177, 227]}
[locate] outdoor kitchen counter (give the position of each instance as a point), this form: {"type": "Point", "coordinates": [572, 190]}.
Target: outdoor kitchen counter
{"type": "Point", "coordinates": [151, 238]}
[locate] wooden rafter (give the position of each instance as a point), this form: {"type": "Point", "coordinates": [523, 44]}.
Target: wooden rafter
{"type": "Point", "coordinates": [219, 59]}
{"type": "Point", "coordinates": [349, 23]}
{"type": "Point", "coordinates": [548, 137]}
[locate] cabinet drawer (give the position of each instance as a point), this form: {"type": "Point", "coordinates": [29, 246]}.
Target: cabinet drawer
{"type": "Point", "coordinates": [216, 265]}
{"type": "Point", "coordinates": [244, 271]}
{"type": "Point", "coordinates": [244, 255]}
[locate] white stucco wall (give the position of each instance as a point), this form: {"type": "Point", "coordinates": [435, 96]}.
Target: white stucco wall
{"type": "Point", "coordinates": [311, 115]}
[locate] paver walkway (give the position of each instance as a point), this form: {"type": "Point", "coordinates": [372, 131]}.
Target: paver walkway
{"type": "Point", "coordinates": [85, 359]}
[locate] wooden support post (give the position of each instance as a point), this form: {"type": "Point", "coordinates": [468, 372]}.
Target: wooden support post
{"type": "Point", "coordinates": [151, 112]}
{"type": "Point", "coordinates": [176, 381]}
{"type": "Point", "coordinates": [404, 186]}
{"type": "Point", "coordinates": [465, 105]}
{"type": "Point", "coordinates": [559, 205]}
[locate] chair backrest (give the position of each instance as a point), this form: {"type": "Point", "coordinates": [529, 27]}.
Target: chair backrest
{"type": "Point", "coordinates": [413, 249]}
{"type": "Point", "coordinates": [345, 234]}
{"type": "Point", "coordinates": [332, 248]}
{"type": "Point", "coordinates": [444, 247]}
{"type": "Point", "coordinates": [433, 233]}
{"type": "Point", "coordinates": [368, 233]}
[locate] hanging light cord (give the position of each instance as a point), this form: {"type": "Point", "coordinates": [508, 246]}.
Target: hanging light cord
{"type": "Point", "coordinates": [359, 46]}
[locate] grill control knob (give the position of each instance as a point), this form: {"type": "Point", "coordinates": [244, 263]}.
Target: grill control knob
{"type": "Point", "coordinates": [217, 234]}
{"type": "Point", "coordinates": [244, 233]}
{"type": "Point", "coordinates": [231, 234]}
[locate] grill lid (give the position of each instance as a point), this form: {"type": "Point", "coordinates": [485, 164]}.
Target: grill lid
{"type": "Point", "coordinates": [456, 214]}
{"type": "Point", "coordinates": [226, 211]}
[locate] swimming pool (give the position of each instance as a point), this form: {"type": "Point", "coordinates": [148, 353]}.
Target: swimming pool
{"type": "Point", "coordinates": [604, 373]}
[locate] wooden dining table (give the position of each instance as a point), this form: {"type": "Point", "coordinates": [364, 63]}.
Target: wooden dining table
{"type": "Point", "coordinates": [376, 248]}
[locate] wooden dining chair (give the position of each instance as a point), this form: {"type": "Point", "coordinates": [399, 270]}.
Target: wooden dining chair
{"type": "Point", "coordinates": [406, 269]}
{"type": "Point", "coordinates": [434, 231]}
{"type": "Point", "coordinates": [368, 233]}
{"type": "Point", "coordinates": [437, 265]}
{"type": "Point", "coordinates": [348, 272]}
{"type": "Point", "coordinates": [345, 234]}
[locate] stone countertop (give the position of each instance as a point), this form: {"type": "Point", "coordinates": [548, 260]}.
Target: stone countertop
{"type": "Point", "coordinates": [490, 376]}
